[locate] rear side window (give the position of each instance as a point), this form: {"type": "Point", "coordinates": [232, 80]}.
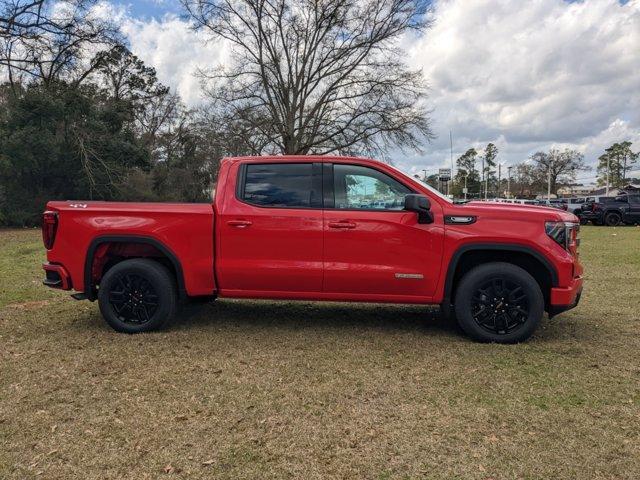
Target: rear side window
{"type": "Point", "coordinates": [285, 185]}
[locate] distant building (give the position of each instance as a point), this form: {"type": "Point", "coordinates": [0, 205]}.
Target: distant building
{"type": "Point", "coordinates": [628, 188]}
{"type": "Point", "coordinates": [574, 190]}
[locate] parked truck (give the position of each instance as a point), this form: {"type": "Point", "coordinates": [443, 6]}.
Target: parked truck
{"type": "Point", "coordinates": [318, 228]}
{"type": "Point", "coordinates": [612, 211]}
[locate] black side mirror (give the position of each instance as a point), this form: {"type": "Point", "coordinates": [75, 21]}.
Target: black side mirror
{"type": "Point", "coordinates": [421, 205]}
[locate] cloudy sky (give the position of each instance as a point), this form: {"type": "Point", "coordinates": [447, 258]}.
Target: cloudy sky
{"type": "Point", "coordinates": [526, 75]}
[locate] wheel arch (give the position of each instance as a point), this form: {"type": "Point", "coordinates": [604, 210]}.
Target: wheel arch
{"type": "Point", "coordinates": [153, 244]}
{"type": "Point", "coordinates": [468, 256]}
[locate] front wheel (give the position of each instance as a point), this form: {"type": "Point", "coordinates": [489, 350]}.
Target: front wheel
{"type": "Point", "coordinates": [613, 219]}
{"type": "Point", "coordinates": [137, 295]}
{"type": "Point", "coordinates": [499, 302]}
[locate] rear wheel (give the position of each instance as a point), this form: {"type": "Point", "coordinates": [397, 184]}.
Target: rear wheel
{"type": "Point", "coordinates": [499, 302]}
{"type": "Point", "coordinates": [613, 219]}
{"type": "Point", "coordinates": [137, 295]}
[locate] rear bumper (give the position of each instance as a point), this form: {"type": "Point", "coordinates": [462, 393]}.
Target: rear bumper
{"type": "Point", "coordinates": [565, 298]}
{"type": "Point", "coordinates": [56, 276]}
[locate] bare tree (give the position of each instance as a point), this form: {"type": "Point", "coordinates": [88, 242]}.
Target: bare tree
{"type": "Point", "coordinates": [318, 76]}
{"type": "Point", "coordinates": [49, 40]}
{"type": "Point", "coordinates": [561, 166]}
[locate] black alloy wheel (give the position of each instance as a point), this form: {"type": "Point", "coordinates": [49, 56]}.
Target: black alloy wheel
{"type": "Point", "coordinates": [498, 302]}
{"type": "Point", "coordinates": [137, 295]}
{"type": "Point", "coordinates": [500, 305]}
{"type": "Point", "coordinates": [133, 298]}
{"type": "Point", "coordinates": [613, 219]}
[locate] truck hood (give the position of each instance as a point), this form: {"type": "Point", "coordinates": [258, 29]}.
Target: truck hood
{"type": "Point", "coordinates": [514, 211]}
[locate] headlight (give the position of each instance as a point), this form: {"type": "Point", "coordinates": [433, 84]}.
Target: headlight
{"type": "Point", "coordinates": [564, 234]}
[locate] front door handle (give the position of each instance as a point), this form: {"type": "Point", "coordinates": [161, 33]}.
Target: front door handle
{"type": "Point", "coordinates": [239, 223]}
{"type": "Point", "coordinates": [346, 225]}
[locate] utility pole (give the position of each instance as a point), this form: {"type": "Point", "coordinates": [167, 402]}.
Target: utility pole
{"type": "Point", "coordinates": [509, 181]}
{"type": "Point", "coordinates": [486, 182]}
{"type": "Point", "coordinates": [608, 166]}
{"type": "Point", "coordinates": [483, 172]}
{"type": "Point", "coordinates": [499, 178]}
{"type": "Point", "coordinates": [549, 181]}
{"type": "Point", "coordinates": [424, 175]}
{"type": "Point", "coordinates": [465, 186]}
{"type": "Point", "coordinates": [451, 152]}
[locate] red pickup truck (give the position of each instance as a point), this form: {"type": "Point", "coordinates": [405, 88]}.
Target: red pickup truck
{"type": "Point", "coordinates": [318, 228]}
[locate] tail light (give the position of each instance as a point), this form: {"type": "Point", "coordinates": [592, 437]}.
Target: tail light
{"type": "Point", "coordinates": [49, 228]}
{"type": "Point", "coordinates": [564, 234]}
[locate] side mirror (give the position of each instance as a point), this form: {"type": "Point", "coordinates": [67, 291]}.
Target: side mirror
{"type": "Point", "coordinates": [421, 205]}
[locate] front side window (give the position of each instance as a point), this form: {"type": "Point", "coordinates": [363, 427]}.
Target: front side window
{"type": "Point", "coordinates": [278, 185]}
{"type": "Point", "coordinates": [357, 187]}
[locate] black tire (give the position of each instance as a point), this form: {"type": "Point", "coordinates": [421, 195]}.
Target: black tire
{"type": "Point", "coordinates": [499, 302]}
{"type": "Point", "coordinates": [613, 219]}
{"type": "Point", "coordinates": [137, 295]}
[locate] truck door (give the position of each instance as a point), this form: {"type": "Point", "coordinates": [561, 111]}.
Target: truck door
{"type": "Point", "coordinates": [270, 230]}
{"type": "Point", "coordinates": [634, 208]}
{"type": "Point", "coordinates": [373, 249]}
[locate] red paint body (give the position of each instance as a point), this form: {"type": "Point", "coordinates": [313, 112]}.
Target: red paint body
{"type": "Point", "coordinates": [235, 249]}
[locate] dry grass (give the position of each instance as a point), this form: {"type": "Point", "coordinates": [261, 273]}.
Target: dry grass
{"type": "Point", "coordinates": [302, 390]}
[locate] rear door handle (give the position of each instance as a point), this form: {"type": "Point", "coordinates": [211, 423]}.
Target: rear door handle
{"type": "Point", "coordinates": [342, 225]}
{"type": "Point", "coordinates": [239, 223]}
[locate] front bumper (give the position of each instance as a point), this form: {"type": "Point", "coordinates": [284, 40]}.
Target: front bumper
{"type": "Point", "coordinates": [565, 298]}
{"type": "Point", "coordinates": [56, 276]}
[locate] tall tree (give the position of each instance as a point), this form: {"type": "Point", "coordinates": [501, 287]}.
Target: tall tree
{"type": "Point", "coordinates": [467, 173]}
{"type": "Point", "coordinates": [560, 166]}
{"type": "Point", "coordinates": [488, 164]}
{"type": "Point", "coordinates": [619, 160]}
{"type": "Point", "coordinates": [311, 76]}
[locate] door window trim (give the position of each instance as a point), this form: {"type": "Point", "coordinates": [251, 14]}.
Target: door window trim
{"type": "Point", "coordinates": [322, 190]}
{"type": "Point", "coordinates": [316, 186]}
{"type": "Point", "coordinates": [330, 194]}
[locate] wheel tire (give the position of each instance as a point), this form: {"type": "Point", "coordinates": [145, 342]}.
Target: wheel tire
{"type": "Point", "coordinates": [137, 295]}
{"type": "Point", "coordinates": [522, 316]}
{"type": "Point", "coordinates": [613, 219]}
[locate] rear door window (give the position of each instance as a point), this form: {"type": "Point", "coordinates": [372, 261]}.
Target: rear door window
{"type": "Point", "coordinates": [279, 185]}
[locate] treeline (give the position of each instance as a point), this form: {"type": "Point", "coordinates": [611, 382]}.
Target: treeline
{"type": "Point", "coordinates": [82, 118]}
{"type": "Point", "coordinates": [480, 170]}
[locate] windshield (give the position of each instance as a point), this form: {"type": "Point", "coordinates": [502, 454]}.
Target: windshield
{"type": "Point", "coordinates": [425, 185]}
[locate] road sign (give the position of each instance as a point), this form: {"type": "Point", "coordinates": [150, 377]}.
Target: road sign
{"type": "Point", "coordinates": [444, 174]}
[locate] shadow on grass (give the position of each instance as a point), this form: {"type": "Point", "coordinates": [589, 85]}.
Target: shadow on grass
{"type": "Point", "coordinates": [310, 315]}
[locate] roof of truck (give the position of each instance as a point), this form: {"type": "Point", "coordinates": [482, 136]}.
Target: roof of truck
{"type": "Point", "coordinates": [311, 158]}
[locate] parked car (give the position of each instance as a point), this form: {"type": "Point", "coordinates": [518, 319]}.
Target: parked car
{"type": "Point", "coordinates": [289, 228]}
{"type": "Point", "coordinates": [558, 203]}
{"type": "Point", "coordinates": [613, 211]}
{"type": "Point", "coordinates": [574, 205]}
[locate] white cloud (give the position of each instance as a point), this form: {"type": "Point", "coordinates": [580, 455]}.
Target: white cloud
{"type": "Point", "coordinates": [526, 75]}
{"type": "Point", "coordinates": [175, 51]}
{"type": "Point", "coordinates": [531, 75]}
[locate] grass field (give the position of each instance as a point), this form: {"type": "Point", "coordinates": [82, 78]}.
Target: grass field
{"type": "Point", "coordinates": [302, 390]}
